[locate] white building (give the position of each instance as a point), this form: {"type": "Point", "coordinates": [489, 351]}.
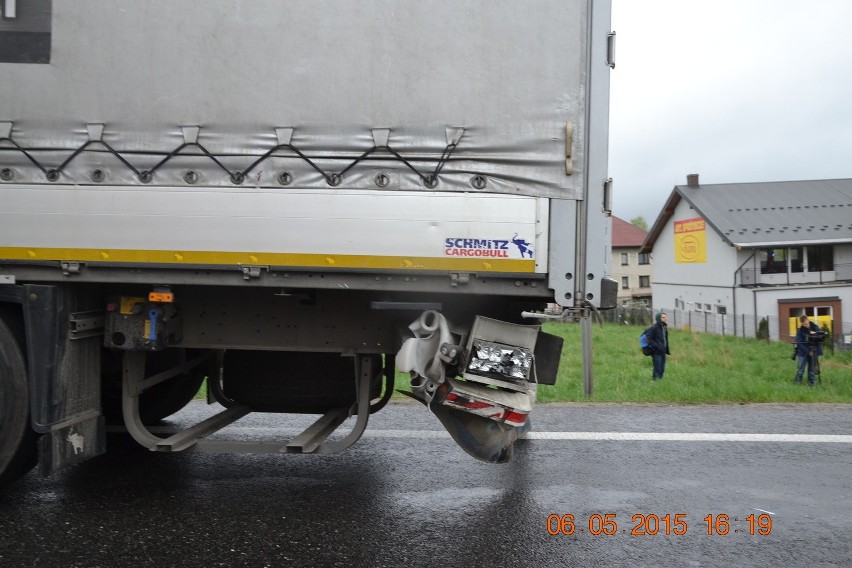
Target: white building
{"type": "Point", "coordinates": [737, 253]}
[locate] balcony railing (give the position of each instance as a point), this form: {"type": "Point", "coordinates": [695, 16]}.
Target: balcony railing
{"type": "Point", "coordinates": [755, 277]}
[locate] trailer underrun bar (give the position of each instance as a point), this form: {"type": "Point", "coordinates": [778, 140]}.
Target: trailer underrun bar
{"type": "Point", "coordinates": [194, 438]}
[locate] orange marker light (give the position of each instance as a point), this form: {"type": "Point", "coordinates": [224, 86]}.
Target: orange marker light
{"type": "Point", "coordinates": [162, 297]}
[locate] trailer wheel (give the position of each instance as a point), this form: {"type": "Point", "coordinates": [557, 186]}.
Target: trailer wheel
{"type": "Point", "coordinates": [17, 439]}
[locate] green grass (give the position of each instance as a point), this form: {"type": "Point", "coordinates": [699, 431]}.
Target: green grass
{"type": "Point", "coordinates": [703, 368]}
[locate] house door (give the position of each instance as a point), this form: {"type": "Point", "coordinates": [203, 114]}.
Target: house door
{"type": "Point", "coordinates": [824, 311]}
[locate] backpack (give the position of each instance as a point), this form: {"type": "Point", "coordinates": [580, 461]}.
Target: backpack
{"type": "Point", "coordinates": [643, 343]}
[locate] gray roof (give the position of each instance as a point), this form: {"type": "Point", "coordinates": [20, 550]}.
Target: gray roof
{"type": "Point", "coordinates": [768, 213]}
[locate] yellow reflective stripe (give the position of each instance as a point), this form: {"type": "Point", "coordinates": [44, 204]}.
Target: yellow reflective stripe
{"type": "Point", "coordinates": [268, 259]}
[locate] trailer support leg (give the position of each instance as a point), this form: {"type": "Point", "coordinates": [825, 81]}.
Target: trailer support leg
{"type": "Point", "coordinates": [586, 330]}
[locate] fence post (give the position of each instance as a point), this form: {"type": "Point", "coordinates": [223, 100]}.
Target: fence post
{"type": "Point", "coordinates": [831, 336]}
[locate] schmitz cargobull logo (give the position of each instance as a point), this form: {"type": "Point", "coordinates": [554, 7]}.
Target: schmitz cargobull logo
{"type": "Point", "coordinates": [488, 248]}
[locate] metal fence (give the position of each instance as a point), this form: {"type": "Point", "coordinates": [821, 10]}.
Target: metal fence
{"type": "Point", "coordinates": [741, 325]}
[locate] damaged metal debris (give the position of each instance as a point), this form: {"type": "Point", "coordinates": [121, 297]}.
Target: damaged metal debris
{"type": "Point", "coordinates": [481, 384]}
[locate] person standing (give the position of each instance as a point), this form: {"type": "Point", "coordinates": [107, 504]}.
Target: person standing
{"type": "Point", "coordinates": [808, 349]}
{"type": "Point", "coordinates": [658, 337]}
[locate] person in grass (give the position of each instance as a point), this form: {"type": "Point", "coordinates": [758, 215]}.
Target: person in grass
{"type": "Point", "coordinates": [808, 350]}
{"type": "Point", "coordinates": [658, 337]}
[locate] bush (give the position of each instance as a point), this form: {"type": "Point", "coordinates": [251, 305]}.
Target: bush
{"type": "Point", "coordinates": [763, 329]}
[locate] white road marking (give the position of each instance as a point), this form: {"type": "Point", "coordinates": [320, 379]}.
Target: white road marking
{"type": "Point", "coordinates": [690, 437]}
{"type": "Point", "coordinates": [290, 430]}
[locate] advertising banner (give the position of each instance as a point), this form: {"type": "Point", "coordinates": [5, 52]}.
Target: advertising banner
{"type": "Point", "coordinates": [690, 241]}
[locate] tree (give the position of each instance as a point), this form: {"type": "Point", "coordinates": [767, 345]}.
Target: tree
{"type": "Point", "coordinates": [639, 222]}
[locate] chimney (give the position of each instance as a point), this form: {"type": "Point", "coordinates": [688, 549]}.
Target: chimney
{"type": "Point", "coordinates": [692, 180]}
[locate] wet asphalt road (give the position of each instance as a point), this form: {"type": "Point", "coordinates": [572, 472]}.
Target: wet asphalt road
{"type": "Point", "coordinates": [405, 495]}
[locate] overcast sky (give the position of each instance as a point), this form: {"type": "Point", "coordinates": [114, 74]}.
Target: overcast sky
{"type": "Point", "coordinates": [734, 90]}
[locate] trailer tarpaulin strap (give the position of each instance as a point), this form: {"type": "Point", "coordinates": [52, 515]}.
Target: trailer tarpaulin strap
{"type": "Point", "coordinates": [429, 180]}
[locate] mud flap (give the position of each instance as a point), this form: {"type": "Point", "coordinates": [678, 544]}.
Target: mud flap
{"type": "Point", "coordinates": [64, 376]}
{"type": "Point", "coordinates": [65, 446]}
{"type": "Point", "coordinates": [609, 294]}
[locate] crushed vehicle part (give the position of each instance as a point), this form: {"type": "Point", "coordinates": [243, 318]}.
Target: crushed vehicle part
{"type": "Point", "coordinates": [487, 409]}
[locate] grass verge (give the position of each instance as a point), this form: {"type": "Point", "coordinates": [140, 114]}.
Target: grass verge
{"type": "Point", "coordinates": [703, 368]}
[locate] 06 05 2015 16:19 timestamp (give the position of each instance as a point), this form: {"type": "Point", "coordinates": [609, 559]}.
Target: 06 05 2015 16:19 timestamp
{"type": "Point", "coordinates": [650, 524]}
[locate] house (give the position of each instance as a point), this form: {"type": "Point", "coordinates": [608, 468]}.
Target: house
{"type": "Point", "coordinates": [630, 267]}
{"type": "Point", "coordinates": [745, 252]}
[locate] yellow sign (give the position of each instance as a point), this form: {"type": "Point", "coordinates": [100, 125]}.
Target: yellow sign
{"type": "Point", "coordinates": [690, 241]}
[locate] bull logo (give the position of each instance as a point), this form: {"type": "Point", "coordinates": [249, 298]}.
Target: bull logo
{"type": "Point", "coordinates": [523, 246]}
{"type": "Point", "coordinates": [76, 441]}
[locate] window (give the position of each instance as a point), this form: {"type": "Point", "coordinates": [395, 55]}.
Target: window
{"type": "Point", "coordinates": [625, 282]}
{"type": "Point", "coordinates": [625, 259]}
{"type": "Point", "coordinates": [778, 260]}
{"type": "Point", "coordinates": [644, 281]}
{"type": "Point", "coordinates": [821, 258]}
{"type": "Point", "coordinates": [707, 308]}
{"type": "Point", "coordinates": [773, 261]}
{"type": "Point", "coordinates": [797, 263]}
{"type": "Point", "coordinates": [722, 310]}
{"type": "Point", "coordinates": [644, 258]}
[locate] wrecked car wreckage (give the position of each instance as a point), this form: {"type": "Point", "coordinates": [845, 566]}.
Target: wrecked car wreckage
{"type": "Point", "coordinates": [481, 390]}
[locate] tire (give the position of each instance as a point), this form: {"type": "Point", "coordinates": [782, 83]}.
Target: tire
{"type": "Point", "coordinates": [17, 439]}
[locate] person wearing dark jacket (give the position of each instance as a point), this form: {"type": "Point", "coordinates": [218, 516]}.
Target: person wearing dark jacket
{"type": "Point", "coordinates": [808, 349]}
{"type": "Point", "coordinates": [658, 338]}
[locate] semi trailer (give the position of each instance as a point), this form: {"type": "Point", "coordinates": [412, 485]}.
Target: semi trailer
{"type": "Point", "coordinates": [293, 203]}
